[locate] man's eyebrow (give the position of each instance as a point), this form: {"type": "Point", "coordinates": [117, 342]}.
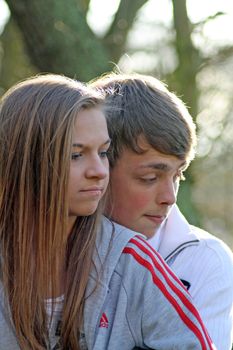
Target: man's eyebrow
{"type": "Point", "coordinates": [80, 145]}
{"type": "Point", "coordinates": [158, 166]}
{"type": "Point", "coordinates": [162, 166]}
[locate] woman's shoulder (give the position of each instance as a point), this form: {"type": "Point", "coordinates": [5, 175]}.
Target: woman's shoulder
{"type": "Point", "coordinates": [112, 236]}
{"type": "Point", "coordinates": [111, 241]}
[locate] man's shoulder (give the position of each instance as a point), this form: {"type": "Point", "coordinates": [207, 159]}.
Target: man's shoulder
{"type": "Point", "coordinates": [208, 241]}
{"type": "Point", "coordinates": [208, 238]}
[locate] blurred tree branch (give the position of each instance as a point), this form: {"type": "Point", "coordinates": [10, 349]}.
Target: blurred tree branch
{"type": "Point", "coordinates": [189, 61]}
{"type": "Point", "coordinates": [116, 36]}
{"type": "Point", "coordinates": [220, 56]}
{"type": "Point", "coordinates": [183, 82]}
{"type": "Point", "coordinates": [84, 5]}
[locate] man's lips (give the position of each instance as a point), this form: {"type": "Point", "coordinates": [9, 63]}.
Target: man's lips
{"type": "Point", "coordinates": [157, 219]}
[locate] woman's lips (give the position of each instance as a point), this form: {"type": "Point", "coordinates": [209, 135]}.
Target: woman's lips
{"type": "Point", "coordinates": [92, 191]}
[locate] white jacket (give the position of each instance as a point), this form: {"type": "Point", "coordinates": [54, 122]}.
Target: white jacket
{"type": "Point", "coordinates": [205, 265]}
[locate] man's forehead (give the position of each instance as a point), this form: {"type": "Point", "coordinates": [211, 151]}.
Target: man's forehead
{"type": "Point", "coordinates": [165, 165]}
{"type": "Point", "coordinates": [151, 158]}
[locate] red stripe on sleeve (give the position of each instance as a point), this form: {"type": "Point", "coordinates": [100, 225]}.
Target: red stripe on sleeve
{"type": "Point", "coordinates": [182, 296]}
{"type": "Point", "coordinates": [167, 268]}
{"type": "Point", "coordinates": [170, 298]}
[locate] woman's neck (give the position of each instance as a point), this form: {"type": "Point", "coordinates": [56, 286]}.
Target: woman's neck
{"type": "Point", "coordinates": [71, 222]}
{"type": "Point", "coordinates": [59, 270]}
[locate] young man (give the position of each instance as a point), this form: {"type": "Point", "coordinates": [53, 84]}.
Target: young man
{"type": "Point", "coordinates": [153, 141]}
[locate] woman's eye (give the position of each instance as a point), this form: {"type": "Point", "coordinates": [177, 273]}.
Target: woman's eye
{"type": "Point", "coordinates": [103, 154]}
{"type": "Point", "coordinates": [75, 156]}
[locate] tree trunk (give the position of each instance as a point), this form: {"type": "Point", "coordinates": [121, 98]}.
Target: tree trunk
{"type": "Point", "coordinates": [15, 64]}
{"type": "Point", "coordinates": [188, 57]}
{"type": "Point", "coordinates": [116, 36]}
{"type": "Point", "coordinates": [58, 38]}
{"type": "Point", "coordinates": [184, 84]}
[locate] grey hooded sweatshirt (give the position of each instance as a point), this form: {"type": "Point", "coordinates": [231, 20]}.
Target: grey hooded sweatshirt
{"type": "Point", "coordinates": [133, 300]}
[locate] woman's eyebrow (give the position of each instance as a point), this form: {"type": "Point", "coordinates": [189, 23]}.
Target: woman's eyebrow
{"type": "Point", "coordinates": [80, 145]}
{"type": "Point", "coordinates": [77, 145]}
{"type": "Point", "coordinates": [108, 141]}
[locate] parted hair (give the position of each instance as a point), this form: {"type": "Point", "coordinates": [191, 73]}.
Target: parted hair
{"type": "Point", "coordinates": [142, 106]}
{"type": "Point", "coordinates": [37, 118]}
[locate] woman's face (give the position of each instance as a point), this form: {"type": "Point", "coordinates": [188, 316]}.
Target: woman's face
{"type": "Point", "coordinates": [89, 171]}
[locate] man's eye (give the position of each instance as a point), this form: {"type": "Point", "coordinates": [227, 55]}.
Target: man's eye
{"type": "Point", "coordinates": [148, 179]}
{"type": "Point", "coordinates": [75, 156]}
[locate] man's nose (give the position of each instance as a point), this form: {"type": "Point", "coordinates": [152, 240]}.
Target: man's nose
{"type": "Point", "coordinates": [167, 193]}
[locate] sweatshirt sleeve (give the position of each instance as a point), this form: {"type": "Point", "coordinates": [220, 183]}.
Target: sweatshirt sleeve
{"type": "Point", "coordinates": [160, 312]}
{"type": "Point", "coordinates": [211, 289]}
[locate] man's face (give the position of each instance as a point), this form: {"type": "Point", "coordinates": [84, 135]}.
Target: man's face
{"type": "Point", "coordinates": [143, 188]}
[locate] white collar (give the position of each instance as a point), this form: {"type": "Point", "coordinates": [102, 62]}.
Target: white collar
{"type": "Point", "coordinates": [174, 232]}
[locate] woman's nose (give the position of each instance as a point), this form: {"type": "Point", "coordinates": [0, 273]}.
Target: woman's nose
{"type": "Point", "coordinates": [98, 168]}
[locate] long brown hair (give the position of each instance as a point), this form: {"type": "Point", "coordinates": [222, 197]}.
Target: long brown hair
{"type": "Point", "coordinates": [36, 121]}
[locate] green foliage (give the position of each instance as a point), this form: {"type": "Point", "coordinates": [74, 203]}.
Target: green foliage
{"type": "Point", "coordinates": [15, 63]}
{"type": "Point", "coordinates": [186, 206]}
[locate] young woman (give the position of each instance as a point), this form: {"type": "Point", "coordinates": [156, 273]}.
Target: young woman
{"type": "Point", "coordinates": [54, 168]}
{"type": "Point", "coordinates": [69, 281]}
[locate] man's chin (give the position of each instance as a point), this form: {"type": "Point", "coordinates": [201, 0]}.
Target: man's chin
{"type": "Point", "coordinates": [149, 232]}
